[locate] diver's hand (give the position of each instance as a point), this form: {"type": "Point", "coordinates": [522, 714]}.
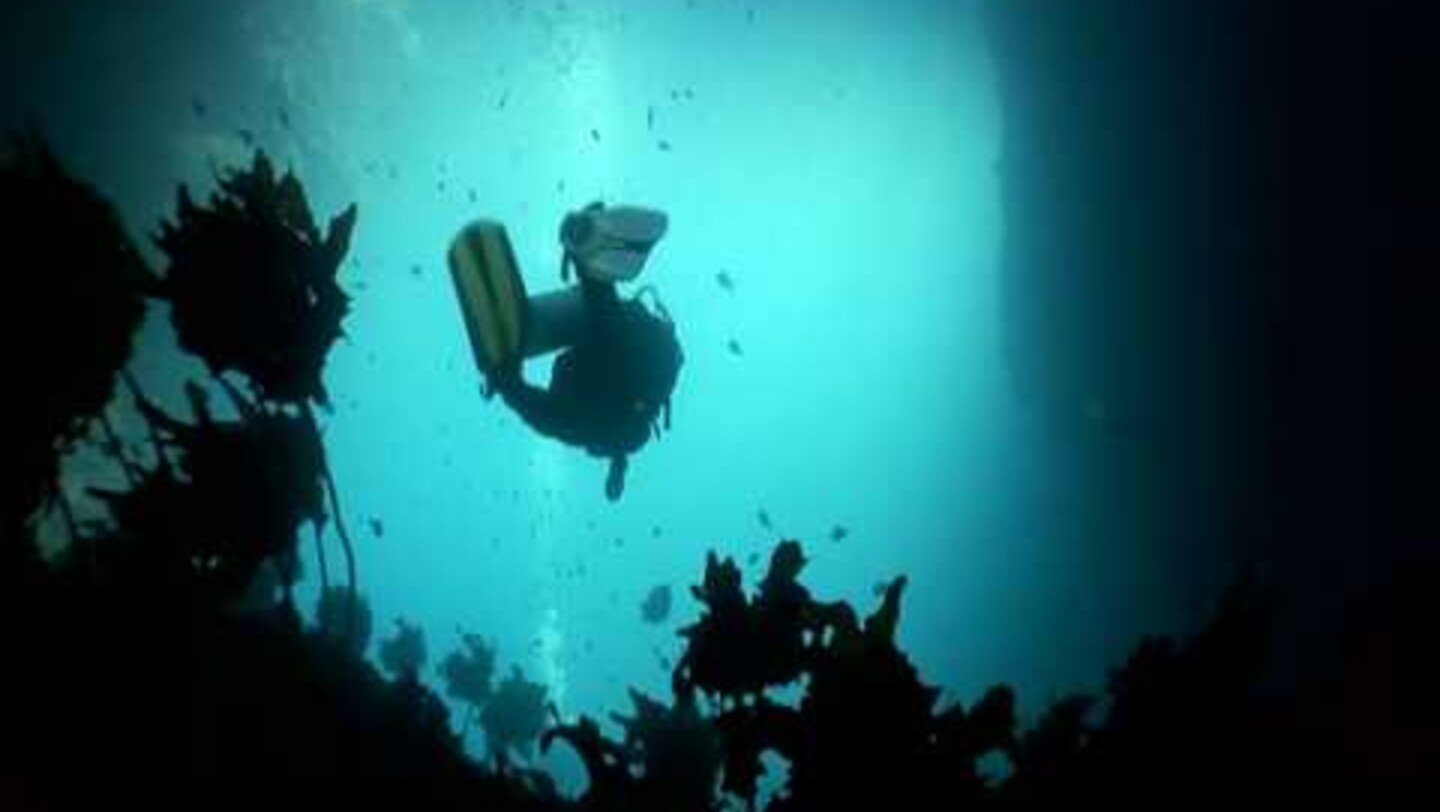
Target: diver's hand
{"type": "Point", "coordinates": [504, 378]}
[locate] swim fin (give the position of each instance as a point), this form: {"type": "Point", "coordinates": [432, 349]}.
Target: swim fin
{"type": "Point", "coordinates": [611, 244]}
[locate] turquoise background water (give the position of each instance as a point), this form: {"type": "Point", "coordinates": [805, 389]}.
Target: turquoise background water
{"type": "Point", "coordinates": [840, 161]}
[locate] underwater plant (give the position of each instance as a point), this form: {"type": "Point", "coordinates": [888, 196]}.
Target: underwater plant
{"type": "Point", "coordinates": [252, 282]}
{"type": "Point", "coordinates": [467, 671]}
{"type": "Point", "coordinates": [515, 716]}
{"type": "Point", "coordinates": [344, 616]}
{"type": "Point", "coordinates": [253, 289]}
{"type": "Point", "coordinates": [403, 654]}
{"type": "Point", "coordinates": [224, 495]}
{"type": "Point", "coordinates": [102, 679]}
{"type": "Point", "coordinates": [74, 298]}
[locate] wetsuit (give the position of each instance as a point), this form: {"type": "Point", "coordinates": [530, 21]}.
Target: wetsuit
{"type": "Point", "coordinates": [609, 392]}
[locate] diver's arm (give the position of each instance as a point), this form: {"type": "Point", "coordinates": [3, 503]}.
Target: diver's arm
{"type": "Point", "coordinates": [536, 406]}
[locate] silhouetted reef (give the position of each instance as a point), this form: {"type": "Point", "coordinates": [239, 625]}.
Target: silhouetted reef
{"type": "Point", "coordinates": [163, 642]}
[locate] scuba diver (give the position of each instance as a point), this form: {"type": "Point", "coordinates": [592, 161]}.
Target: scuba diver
{"type": "Point", "coordinates": [610, 387]}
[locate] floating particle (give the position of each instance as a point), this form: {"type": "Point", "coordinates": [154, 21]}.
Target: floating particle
{"type": "Point", "coordinates": [595, 135]}
{"type": "Point", "coordinates": [839, 532]}
{"type": "Point", "coordinates": [377, 527]}
{"type": "Point", "coordinates": [764, 518]}
{"type": "Point", "coordinates": [247, 137]}
{"type": "Point", "coordinates": [650, 117]}
{"type": "Point", "coordinates": [415, 270]}
{"type": "Point", "coordinates": [473, 197]}
{"type": "Point", "coordinates": [725, 281]}
{"type": "Point", "coordinates": [197, 105]}
{"type": "Point", "coordinates": [734, 347]}
{"type": "Point", "coordinates": [663, 145]}
{"type": "Point", "coordinates": [284, 116]}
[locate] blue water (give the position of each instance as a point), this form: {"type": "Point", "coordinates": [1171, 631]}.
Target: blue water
{"type": "Point", "coordinates": [840, 160]}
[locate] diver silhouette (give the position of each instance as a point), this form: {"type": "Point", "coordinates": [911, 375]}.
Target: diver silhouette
{"type": "Point", "coordinates": [610, 387]}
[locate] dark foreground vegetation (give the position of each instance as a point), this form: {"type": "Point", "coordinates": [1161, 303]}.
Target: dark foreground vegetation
{"type": "Point", "coordinates": [155, 639]}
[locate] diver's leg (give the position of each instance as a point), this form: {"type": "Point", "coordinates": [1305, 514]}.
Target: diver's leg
{"type": "Point", "coordinates": [615, 478]}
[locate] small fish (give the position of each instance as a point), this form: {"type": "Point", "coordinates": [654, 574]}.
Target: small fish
{"type": "Point", "coordinates": [690, 93]}
{"type": "Point", "coordinates": [504, 99]}
{"type": "Point", "coordinates": [764, 518]}
{"type": "Point", "coordinates": [198, 106]}
{"type": "Point", "coordinates": [595, 135]}
{"type": "Point", "coordinates": [619, 542]}
{"type": "Point", "coordinates": [839, 532]}
{"type": "Point", "coordinates": [415, 270]}
{"type": "Point", "coordinates": [663, 145]}
{"type": "Point", "coordinates": [674, 95]}
{"type": "Point", "coordinates": [655, 532]}
{"type": "Point", "coordinates": [377, 527]}
{"type": "Point", "coordinates": [247, 137]}
{"type": "Point", "coordinates": [284, 116]}
{"type": "Point", "coordinates": [650, 117]}
{"type": "Point", "coordinates": [656, 606]}
{"type": "Point", "coordinates": [725, 281]}
{"type": "Point", "coordinates": [472, 196]}
{"type": "Point", "coordinates": [735, 348]}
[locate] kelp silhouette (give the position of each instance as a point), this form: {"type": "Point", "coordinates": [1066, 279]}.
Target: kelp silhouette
{"type": "Point", "coordinates": [141, 655]}
{"type": "Point", "coordinates": [253, 284]}
{"type": "Point", "coordinates": [73, 299]}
